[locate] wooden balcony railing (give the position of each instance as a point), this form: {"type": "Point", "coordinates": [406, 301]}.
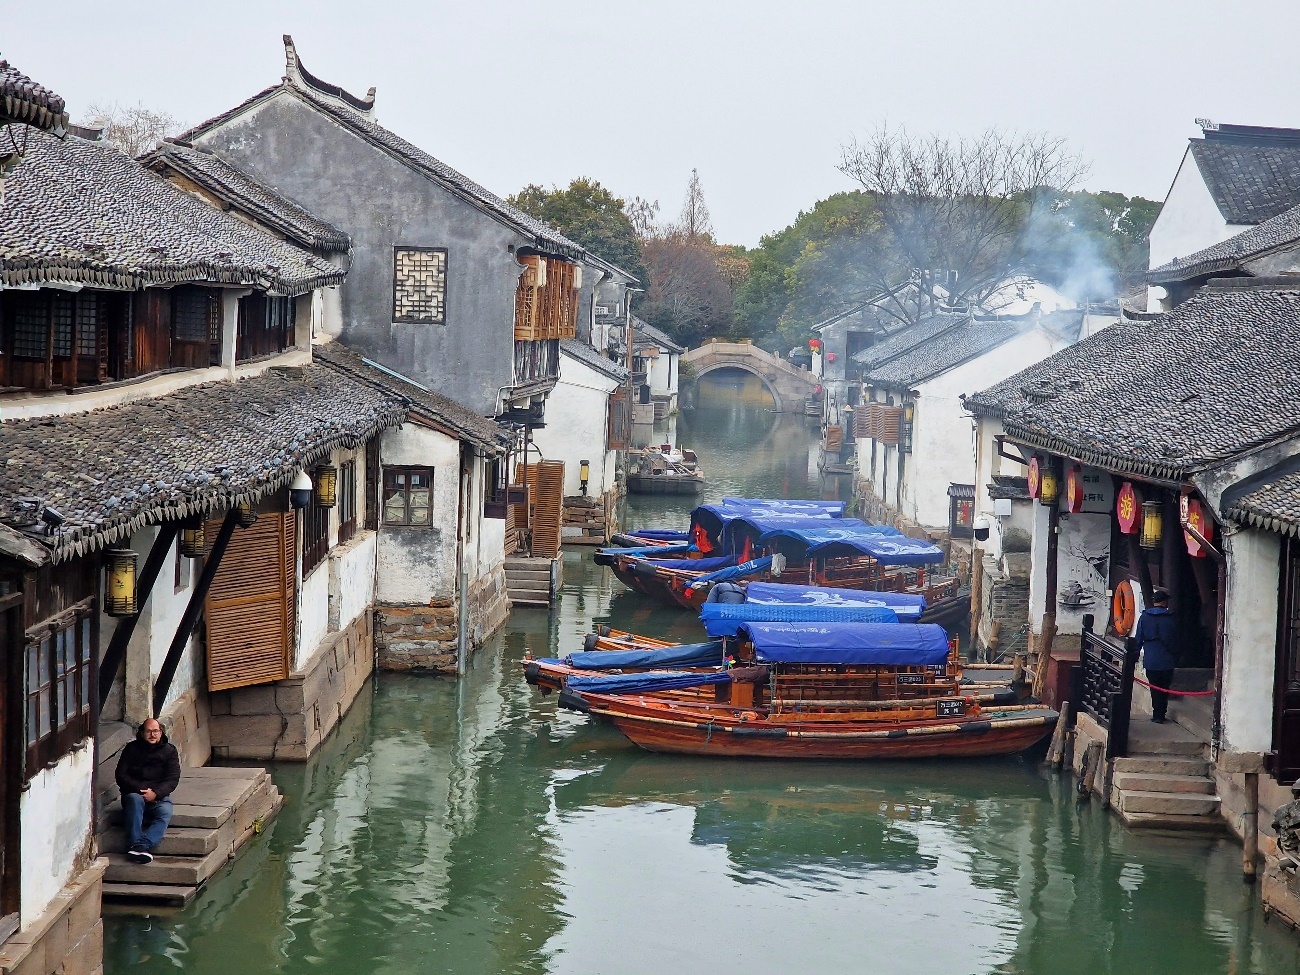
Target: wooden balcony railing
{"type": "Point", "coordinates": [1104, 685]}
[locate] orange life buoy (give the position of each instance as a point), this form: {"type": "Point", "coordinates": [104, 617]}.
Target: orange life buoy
{"type": "Point", "coordinates": [1123, 608]}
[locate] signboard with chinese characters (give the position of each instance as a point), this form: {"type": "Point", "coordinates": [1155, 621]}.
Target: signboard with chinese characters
{"type": "Point", "coordinates": [1034, 475]}
{"type": "Point", "coordinates": [1097, 491]}
{"type": "Point", "coordinates": [1128, 509]}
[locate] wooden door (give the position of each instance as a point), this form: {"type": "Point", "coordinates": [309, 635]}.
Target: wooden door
{"type": "Point", "coordinates": [1286, 729]}
{"type": "Point", "coordinates": [546, 499]}
{"type": "Point", "coordinates": [11, 763]}
{"type": "Point", "coordinates": [249, 612]}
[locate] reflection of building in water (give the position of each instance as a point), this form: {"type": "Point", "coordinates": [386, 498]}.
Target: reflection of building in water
{"type": "Point", "coordinates": [733, 386]}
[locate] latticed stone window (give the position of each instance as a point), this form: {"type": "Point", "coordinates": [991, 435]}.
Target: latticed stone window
{"type": "Point", "coordinates": [420, 285]}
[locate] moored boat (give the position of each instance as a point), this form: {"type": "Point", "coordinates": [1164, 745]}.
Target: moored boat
{"type": "Point", "coordinates": [662, 470]}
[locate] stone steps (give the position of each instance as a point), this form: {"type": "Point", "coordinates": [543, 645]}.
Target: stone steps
{"type": "Point", "coordinates": [217, 812]}
{"type": "Point", "coordinates": [1151, 782]}
{"type": "Point", "coordinates": [1168, 803]}
{"type": "Point", "coordinates": [1161, 765]}
{"type": "Point", "coordinates": [528, 581]}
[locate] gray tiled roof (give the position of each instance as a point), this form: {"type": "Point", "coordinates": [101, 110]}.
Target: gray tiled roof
{"type": "Point", "coordinates": [23, 100]}
{"type": "Point", "coordinates": [906, 338]}
{"type": "Point", "coordinates": [963, 341]}
{"type": "Point", "coordinates": [588, 356]}
{"type": "Point", "coordinates": [1274, 505]}
{"type": "Point", "coordinates": [83, 212]}
{"type": "Point", "coordinates": [199, 450]}
{"type": "Point", "coordinates": [644, 330]}
{"type": "Point", "coordinates": [252, 196]}
{"type": "Point", "coordinates": [1009, 486]}
{"type": "Point", "coordinates": [545, 236]}
{"type": "Point", "coordinates": [1274, 233]}
{"type": "Point", "coordinates": [1164, 395]}
{"type": "Point", "coordinates": [1249, 181]}
{"type": "Point", "coordinates": [459, 420]}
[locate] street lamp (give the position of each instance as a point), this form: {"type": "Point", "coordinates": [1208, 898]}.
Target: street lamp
{"type": "Point", "coordinates": [584, 473]}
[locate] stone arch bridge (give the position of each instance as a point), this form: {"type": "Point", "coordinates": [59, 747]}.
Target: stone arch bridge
{"type": "Point", "coordinates": [789, 385]}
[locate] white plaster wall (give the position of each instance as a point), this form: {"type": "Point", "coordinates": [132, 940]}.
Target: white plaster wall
{"type": "Point", "coordinates": [1250, 640]}
{"type": "Point", "coordinates": [313, 612]}
{"type": "Point", "coordinates": [1038, 566]}
{"type": "Point", "coordinates": [576, 425]}
{"type": "Point", "coordinates": [986, 465]}
{"type": "Point", "coordinates": [416, 564]}
{"type": "Point", "coordinates": [351, 580]}
{"type": "Point", "coordinates": [57, 819]}
{"type": "Point", "coordinates": [943, 453]}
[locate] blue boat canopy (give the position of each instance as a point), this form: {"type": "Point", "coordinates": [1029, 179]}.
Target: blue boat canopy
{"type": "Point", "coordinates": [689, 565]}
{"type": "Point", "coordinates": [655, 680]}
{"type": "Point", "coordinates": [752, 567]}
{"type": "Point", "coordinates": [713, 518]}
{"type": "Point", "coordinates": [662, 534]}
{"type": "Point", "coordinates": [759, 525]}
{"type": "Point", "coordinates": [885, 549]}
{"type": "Point", "coordinates": [684, 655]}
{"type": "Point", "coordinates": [797, 595]}
{"type": "Point", "coordinates": [726, 619]}
{"type": "Point", "coordinates": [794, 505]}
{"type": "Point", "coordinates": [881, 644]}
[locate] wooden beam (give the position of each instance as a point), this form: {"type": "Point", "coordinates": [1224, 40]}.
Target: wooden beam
{"type": "Point", "coordinates": [192, 611]}
{"type": "Point", "coordinates": [18, 546]}
{"type": "Point", "coordinates": [116, 652]}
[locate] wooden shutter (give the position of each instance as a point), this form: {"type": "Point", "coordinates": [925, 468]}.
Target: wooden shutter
{"type": "Point", "coordinates": [862, 429]}
{"type": "Point", "coordinates": [546, 498]}
{"type": "Point", "coordinates": [619, 426]}
{"type": "Point", "coordinates": [249, 612]}
{"type": "Point", "coordinates": [891, 424]}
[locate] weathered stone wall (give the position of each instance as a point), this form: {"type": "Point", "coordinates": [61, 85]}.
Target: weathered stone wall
{"type": "Point", "coordinates": [289, 719]}
{"type": "Point", "coordinates": [589, 520]}
{"type": "Point", "coordinates": [68, 938]}
{"type": "Point", "coordinates": [423, 638]}
{"type": "Point", "coordinates": [489, 605]}
{"type": "Point", "coordinates": [1004, 599]}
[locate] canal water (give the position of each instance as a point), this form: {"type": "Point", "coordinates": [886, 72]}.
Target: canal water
{"type": "Point", "coordinates": [471, 827]}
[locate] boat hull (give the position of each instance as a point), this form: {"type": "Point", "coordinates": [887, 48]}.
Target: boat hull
{"type": "Point", "coordinates": [686, 734]}
{"type": "Point", "coordinates": [664, 484]}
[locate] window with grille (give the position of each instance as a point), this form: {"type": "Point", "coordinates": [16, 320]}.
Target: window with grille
{"type": "Point", "coordinates": [62, 314]}
{"type": "Point", "coordinates": [192, 315]}
{"type": "Point", "coordinates": [408, 496]}
{"type": "Point", "coordinates": [347, 497]}
{"type": "Point", "coordinates": [87, 325]}
{"type": "Point", "coordinates": [315, 534]}
{"type": "Point", "coordinates": [420, 285]}
{"type": "Point", "coordinates": [58, 690]}
{"type": "Point", "coordinates": [31, 327]}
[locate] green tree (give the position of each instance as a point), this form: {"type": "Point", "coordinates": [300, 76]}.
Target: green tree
{"type": "Point", "coordinates": [590, 215]}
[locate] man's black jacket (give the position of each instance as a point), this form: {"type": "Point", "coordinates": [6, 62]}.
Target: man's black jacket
{"type": "Point", "coordinates": [146, 766]}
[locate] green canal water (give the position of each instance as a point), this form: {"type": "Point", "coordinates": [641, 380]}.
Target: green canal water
{"type": "Point", "coordinates": [471, 827]}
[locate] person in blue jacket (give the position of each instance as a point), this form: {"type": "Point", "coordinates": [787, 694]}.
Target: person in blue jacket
{"type": "Point", "coordinates": [1157, 634]}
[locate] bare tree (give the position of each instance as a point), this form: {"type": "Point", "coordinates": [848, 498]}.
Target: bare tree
{"type": "Point", "coordinates": [643, 214]}
{"type": "Point", "coordinates": [955, 206]}
{"type": "Point", "coordinates": [694, 222]}
{"type": "Point", "coordinates": [133, 129]}
{"type": "Point", "coordinates": [688, 295]}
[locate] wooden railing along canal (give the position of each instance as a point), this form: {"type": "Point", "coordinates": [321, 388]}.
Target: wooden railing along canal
{"type": "Point", "coordinates": [1103, 685]}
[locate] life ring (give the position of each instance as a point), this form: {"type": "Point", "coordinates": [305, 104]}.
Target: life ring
{"type": "Point", "coordinates": [1123, 608]}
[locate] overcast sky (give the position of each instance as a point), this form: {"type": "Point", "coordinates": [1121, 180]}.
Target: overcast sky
{"type": "Point", "coordinates": [758, 95]}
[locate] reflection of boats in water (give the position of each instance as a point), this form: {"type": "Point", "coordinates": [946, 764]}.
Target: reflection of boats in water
{"type": "Point", "coordinates": [663, 470]}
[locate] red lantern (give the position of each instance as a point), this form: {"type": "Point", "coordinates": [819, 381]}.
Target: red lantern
{"type": "Point", "coordinates": [1074, 489]}
{"type": "Point", "coordinates": [1196, 518]}
{"type": "Point", "coordinates": [1128, 509]}
{"type": "Point", "coordinates": [815, 345]}
{"type": "Point", "coordinates": [1034, 477]}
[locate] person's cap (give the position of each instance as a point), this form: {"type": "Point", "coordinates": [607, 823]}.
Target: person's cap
{"type": "Point", "coordinates": [1159, 595]}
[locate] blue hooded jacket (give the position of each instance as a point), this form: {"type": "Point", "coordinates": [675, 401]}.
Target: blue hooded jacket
{"type": "Point", "coordinates": [1157, 634]}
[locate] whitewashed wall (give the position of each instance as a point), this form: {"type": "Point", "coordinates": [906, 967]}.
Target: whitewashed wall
{"type": "Point", "coordinates": [1250, 640]}
{"type": "Point", "coordinates": [57, 817]}
{"type": "Point", "coordinates": [417, 564]}
{"type": "Point", "coordinates": [576, 418]}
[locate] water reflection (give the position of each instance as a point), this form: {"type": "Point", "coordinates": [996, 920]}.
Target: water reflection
{"type": "Point", "coordinates": [472, 827]}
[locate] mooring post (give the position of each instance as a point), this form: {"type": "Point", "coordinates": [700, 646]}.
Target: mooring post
{"type": "Point", "coordinates": [1250, 847]}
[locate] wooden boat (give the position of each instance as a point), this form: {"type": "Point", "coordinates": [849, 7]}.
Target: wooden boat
{"type": "Point", "coordinates": [815, 690]}
{"type": "Point", "coordinates": [664, 471]}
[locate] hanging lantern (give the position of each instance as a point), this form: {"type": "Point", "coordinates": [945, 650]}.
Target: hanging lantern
{"type": "Point", "coordinates": [815, 345]}
{"type": "Point", "coordinates": [584, 474]}
{"type": "Point", "coordinates": [300, 491]}
{"type": "Point", "coordinates": [1074, 489]}
{"type": "Point", "coordinates": [1034, 476]}
{"type": "Point", "coordinates": [1197, 520]}
{"type": "Point", "coordinates": [1152, 524]}
{"type": "Point", "coordinates": [119, 595]}
{"type": "Point", "coordinates": [193, 540]}
{"type": "Point", "coordinates": [245, 514]}
{"type": "Point", "coordinates": [327, 486]}
{"type": "Point", "coordinates": [1048, 487]}
{"type": "Point", "coordinates": [1127, 508]}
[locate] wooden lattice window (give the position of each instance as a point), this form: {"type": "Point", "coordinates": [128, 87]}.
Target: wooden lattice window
{"type": "Point", "coordinates": [63, 317]}
{"type": "Point", "coordinates": [408, 496]}
{"type": "Point", "coordinates": [347, 495]}
{"type": "Point", "coordinates": [420, 285]}
{"type": "Point", "coordinates": [30, 326]}
{"type": "Point", "coordinates": [315, 534]}
{"type": "Point", "coordinates": [58, 687]}
{"type": "Point", "coordinates": [87, 325]}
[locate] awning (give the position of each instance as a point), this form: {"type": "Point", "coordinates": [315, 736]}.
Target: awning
{"type": "Point", "coordinates": [885, 549]}
{"type": "Point", "coordinates": [880, 644]}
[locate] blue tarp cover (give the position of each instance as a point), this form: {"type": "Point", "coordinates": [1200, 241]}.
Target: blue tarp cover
{"type": "Point", "coordinates": [759, 525]}
{"type": "Point", "coordinates": [649, 550]}
{"type": "Point", "coordinates": [713, 518]}
{"type": "Point", "coordinates": [752, 567]}
{"type": "Point", "coordinates": [886, 644]}
{"type": "Point", "coordinates": [725, 619]}
{"type": "Point", "coordinates": [885, 549]}
{"type": "Point", "coordinates": [797, 595]}
{"type": "Point", "coordinates": [663, 534]}
{"type": "Point", "coordinates": [685, 655]}
{"type": "Point", "coordinates": [795, 505]}
{"type": "Point", "coordinates": [663, 680]}
{"type": "Point", "coordinates": [693, 565]}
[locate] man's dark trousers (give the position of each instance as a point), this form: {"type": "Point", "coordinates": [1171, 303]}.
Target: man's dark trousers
{"type": "Point", "coordinates": [1159, 699]}
{"type": "Point", "coordinates": [146, 822]}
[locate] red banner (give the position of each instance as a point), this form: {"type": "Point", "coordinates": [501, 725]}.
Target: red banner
{"type": "Point", "coordinates": [1128, 509]}
{"type": "Point", "coordinates": [1074, 489]}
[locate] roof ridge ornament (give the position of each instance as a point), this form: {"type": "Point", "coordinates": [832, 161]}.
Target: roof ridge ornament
{"type": "Point", "coordinates": [299, 77]}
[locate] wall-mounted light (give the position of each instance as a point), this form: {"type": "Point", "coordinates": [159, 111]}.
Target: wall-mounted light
{"type": "Point", "coordinates": [1048, 487]}
{"type": "Point", "coordinates": [1152, 524]}
{"type": "Point", "coordinates": [584, 474]}
{"type": "Point", "coordinates": [245, 514]}
{"type": "Point", "coordinates": [119, 597]}
{"type": "Point", "coordinates": [193, 540]}
{"type": "Point", "coordinates": [327, 485]}
{"type": "Point", "coordinates": [300, 491]}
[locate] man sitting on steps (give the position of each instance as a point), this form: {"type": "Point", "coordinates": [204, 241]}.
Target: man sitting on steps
{"type": "Point", "coordinates": [148, 771]}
